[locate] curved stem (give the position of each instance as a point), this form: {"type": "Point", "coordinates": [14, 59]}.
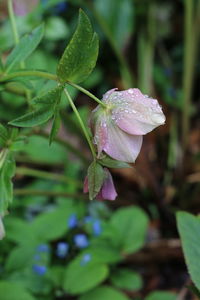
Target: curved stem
{"type": "Point", "coordinates": [13, 23]}
{"type": "Point", "coordinates": [47, 175]}
{"type": "Point", "coordinates": [24, 192]}
{"type": "Point", "coordinates": [28, 73]}
{"type": "Point", "coordinates": [80, 88]}
{"type": "Point", "coordinates": [81, 123]}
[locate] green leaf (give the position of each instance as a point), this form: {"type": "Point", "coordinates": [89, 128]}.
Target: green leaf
{"type": "Point", "coordinates": [95, 179]}
{"type": "Point", "coordinates": [104, 293]}
{"type": "Point", "coordinates": [50, 98]}
{"type": "Point", "coordinates": [25, 47]}
{"type": "Point", "coordinates": [20, 258]}
{"type": "Point", "coordinates": [3, 135]}
{"type": "Point", "coordinates": [52, 225]}
{"type": "Point", "coordinates": [7, 171]}
{"type": "Point", "coordinates": [34, 118]}
{"type": "Point", "coordinates": [189, 230]}
{"type": "Point", "coordinates": [131, 225]}
{"type": "Point", "coordinates": [158, 295]}
{"type": "Point", "coordinates": [80, 56]}
{"type": "Point", "coordinates": [14, 291]}
{"type": "Point", "coordinates": [126, 279]}
{"type": "Point", "coordinates": [79, 277]}
{"type": "Point", "coordinates": [55, 126]}
{"type": "Point", "coordinates": [112, 163]}
{"type": "Point", "coordinates": [56, 154]}
{"type": "Point", "coordinates": [118, 18]}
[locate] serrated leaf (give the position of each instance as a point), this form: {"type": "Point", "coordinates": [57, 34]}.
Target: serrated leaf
{"type": "Point", "coordinates": [25, 47]}
{"type": "Point", "coordinates": [189, 229]}
{"type": "Point", "coordinates": [131, 225]}
{"type": "Point", "coordinates": [112, 163]}
{"type": "Point", "coordinates": [104, 293]}
{"type": "Point", "coordinates": [95, 179]}
{"type": "Point", "coordinates": [126, 279]}
{"type": "Point", "coordinates": [6, 187]}
{"type": "Point", "coordinates": [87, 275]}
{"type": "Point", "coordinates": [80, 55]}
{"type": "Point", "coordinates": [55, 126]}
{"type": "Point", "coordinates": [34, 118]}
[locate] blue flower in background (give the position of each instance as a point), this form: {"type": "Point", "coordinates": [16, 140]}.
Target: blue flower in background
{"type": "Point", "coordinates": [40, 269]}
{"type": "Point", "coordinates": [96, 226]}
{"type": "Point", "coordinates": [86, 258]}
{"type": "Point", "coordinates": [43, 248]}
{"type": "Point", "coordinates": [88, 219]}
{"type": "Point", "coordinates": [62, 249]}
{"type": "Point", "coordinates": [72, 221]}
{"type": "Point", "coordinates": [60, 7]}
{"type": "Point", "coordinates": [81, 240]}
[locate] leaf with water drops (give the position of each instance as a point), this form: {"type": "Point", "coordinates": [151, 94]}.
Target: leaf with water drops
{"type": "Point", "coordinates": [80, 55]}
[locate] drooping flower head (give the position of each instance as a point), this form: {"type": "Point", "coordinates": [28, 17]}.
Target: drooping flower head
{"type": "Point", "coordinates": [118, 129]}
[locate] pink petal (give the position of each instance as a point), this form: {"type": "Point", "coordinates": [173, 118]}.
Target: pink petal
{"type": "Point", "coordinates": [121, 145]}
{"type": "Point", "coordinates": [136, 113]}
{"type": "Point", "coordinates": [108, 189]}
{"type": "Point", "coordinates": [85, 185]}
{"type": "Point", "coordinates": [98, 125]}
{"type": "Point", "coordinates": [23, 7]}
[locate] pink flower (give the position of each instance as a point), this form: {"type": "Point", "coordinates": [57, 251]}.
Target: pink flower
{"type": "Point", "coordinates": [23, 7]}
{"type": "Point", "coordinates": [118, 129]}
{"type": "Point", "coordinates": [107, 190]}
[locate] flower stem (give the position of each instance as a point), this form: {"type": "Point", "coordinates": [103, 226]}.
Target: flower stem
{"type": "Point", "coordinates": [24, 192]}
{"type": "Point", "coordinates": [27, 74]}
{"type": "Point", "coordinates": [80, 88]}
{"type": "Point", "coordinates": [13, 23]}
{"type": "Point", "coordinates": [81, 123]}
{"type": "Point", "coordinates": [47, 175]}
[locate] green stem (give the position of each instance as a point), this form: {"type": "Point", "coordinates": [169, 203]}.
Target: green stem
{"type": "Point", "coordinates": [24, 192]}
{"type": "Point", "coordinates": [81, 123]}
{"type": "Point", "coordinates": [28, 73]}
{"type": "Point", "coordinates": [13, 23]}
{"type": "Point", "coordinates": [188, 74]}
{"type": "Point", "coordinates": [80, 88]}
{"type": "Point", "coordinates": [125, 71]}
{"type": "Point", "coordinates": [47, 175]}
{"type": "Point", "coordinates": [51, 77]}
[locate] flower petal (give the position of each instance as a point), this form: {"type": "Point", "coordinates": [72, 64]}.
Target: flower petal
{"type": "Point", "coordinates": [108, 188]}
{"type": "Point", "coordinates": [121, 145]}
{"type": "Point", "coordinates": [136, 113]}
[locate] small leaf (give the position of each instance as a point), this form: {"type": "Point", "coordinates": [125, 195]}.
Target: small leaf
{"type": "Point", "coordinates": [112, 163]}
{"type": "Point", "coordinates": [95, 179]}
{"type": "Point", "coordinates": [79, 57]}
{"type": "Point", "coordinates": [55, 126]}
{"type": "Point", "coordinates": [6, 187]}
{"type": "Point", "coordinates": [34, 118]}
{"type": "Point", "coordinates": [25, 47]}
{"type": "Point", "coordinates": [189, 229]}
{"type": "Point", "coordinates": [126, 279]}
{"type": "Point", "coordinates": [104, 293]}
{"type": "Point", "coordinates": [50, 98]}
